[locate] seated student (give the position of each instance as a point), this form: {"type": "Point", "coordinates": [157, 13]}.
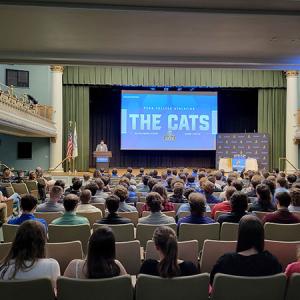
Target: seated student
{"type": "Point", "coordinates": [86, 179]}
{"type": "Point", "coordinates": [143, 186]}
{"type": "Point", "coordinates": [112, 204]}
{"type": "Point", "coordinates": [178, 196]}
{"type": "Point", "coordinates": [168, 265]}
{"type": "Point", "coordinates": [198, 207]}
{"type": "Point", "coordinates": [282, 185]}
{"type": "Point", "coordinates": [7, 176]}
{"type": "Point", "coordinates": [239, 205]}
{"type": "Point", "coordinates": [250, 259]}
{"type": "Point", "coordinates": [60, 183]}
{"type": "Point", "coordinates": [225, 205]}
{"type": "Point", "coordinates": [100, 195]}
{"type": "Point", "coordinates": [93, 187]}
{"type": "Point", "coordinates": [28, 206]}
{"type": "Point", "coordinates": [293, 267]}
{"type": "Point", "coordinates": [295, 198]}
{"type": "Point", "coordinates": [69, 217]}
{"type": "Point", "coordinates": [272, 186]}
{"type": "Point", "coordinates": [114, 173]}
{"type": "Point", "coordinates": [122, 193]}
{"type": "Point", "coordinates": [255, 181]}
{"type": "Point", "coordinates": [154, 202]}
{"type": "Point", "coordinates": [69, 189]}
{"type": "Point", "coordinates": [219, 180]}
{"type": "Point", "coordinates": [291, 178]}
{"type": "Point", "coordinates": [168, 184]}
{"type": "Point", "coordinates": [52, 204]}
{"type": "Point", "coordinates": [166, 205]}
{"type": "Point", "coordinates": [264, 199]}
{"type": "Point", "coordinates": [101, 258]}
{"type": "Point", "coordinates": [191, 182]}
{"type": "Point", "coordinates": [212, 179]}
{"type": "Point", "coordinates": [208, 188]}
{"type": "Point", "coordinates": [282, 215]}
{"type": "Point", "coordinates": [106, 181]}
{"type": "Point", "coordinates": [26, 257]}
{"type": "Point", "coordinates": [141, 174]}
{"type": "Point", "coordinates": [152, 182]}
{"type": "Point", "coordinates": [85, 200]}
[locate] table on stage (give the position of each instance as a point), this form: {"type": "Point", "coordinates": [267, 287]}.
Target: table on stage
{"type": "Point", "coordinates": [225, 164]}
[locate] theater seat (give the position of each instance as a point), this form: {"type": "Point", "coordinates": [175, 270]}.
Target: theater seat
{"type": "Point", "coordinates": [122, 232]}
{"type": "Point", "coordinates": [229, 231]}
{"type": "Point", "coordinates": [48, 216]}
{"type": "Point", "coordinates": [187, 287]}
{"type": "Point", "coordinates": [293, 287]}
{"type": "Point", "coordinates": [93, 217]}
{"type": "Point", "coordinates": [4, 249]}
{"type": "Point", "coordinates": [282, 232]}
{"type": "Point", "coordinates": [9, 232]}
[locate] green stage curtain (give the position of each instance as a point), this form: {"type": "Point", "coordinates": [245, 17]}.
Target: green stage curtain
{"type": "Point", "coordinates": [76, 109]}
{"type": "Point", "coordinates": [166, 76]}
{"type": "Point", "coordinates": [271, 120]}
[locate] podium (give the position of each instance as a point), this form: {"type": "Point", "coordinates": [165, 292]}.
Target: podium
{"type": "Point", "coordinates": [102, 159]}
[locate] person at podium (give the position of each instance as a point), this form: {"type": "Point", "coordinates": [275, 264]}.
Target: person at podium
{"type": "Point", "coordinates": [102, 147]}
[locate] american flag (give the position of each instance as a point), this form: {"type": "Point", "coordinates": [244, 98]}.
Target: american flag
{"type": "Point", "coordinates": [70, 144]}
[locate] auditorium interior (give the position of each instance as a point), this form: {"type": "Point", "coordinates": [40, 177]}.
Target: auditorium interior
{"type": "Point", "coordinates": [191, 104]}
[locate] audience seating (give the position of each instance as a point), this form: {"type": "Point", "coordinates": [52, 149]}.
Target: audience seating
{"type": "Point", "coordinates": [139, 208]}
{"type": "Point", "coordinates": [20, 188]}
{"type": "Point", "coordinates": [219, 213]}
{"type": "Point", "coordinates": [144, 232]}
{"type": "Point", "coordinates": [293, 287]}
{"type": "Point", "coordinates": [229, 231]}
{"type": "Point", "coordinates": [32, 187]}
{"type": "Point", "coordinates": [64, 253]}
{"type": "Point", "coordinates": [187, 250]}
{"type": "Point", "coordinates": [4, 249]}
{"type": "Point", "coordinates": [93, 217]}
{"type": "Point", "coordinates": [167, 213]}
{"type": "Point", "coordinates": [261, 214]}
{"type": "Point", "coordinates": [6, 184]}
{"type": "Point", "coordinates": [122, 232]}
{"type": "Point", "coordinates": [211, 252]}
{"type": "Point", "coordinates": [228, 287]}
{"type": "Point", "coordinates": [9, 232]}
{"type": "Point", "coordinates": [199, 232]}
{"type": "Point", "coordinates": [282, 232]}
{"type": "Point", "coordinates": [10, 191]}
{"type": "Point", "coordinates": [36, 289]}
{"type": "Point", "coordinates": [129, 254]}
{"type": "Point", "coordinates": [101, 206]}
{"type": "Point", "coordinates": [286, 252]}
{"type": "Point", "coordinates": [132, 215]}
{"type": "Point", "coordinates": [109, 289]}
{"type": "Point", "coordinates": [191, 287]}
{"type": "Point", "coordinates": [69, 233]}
{"type": "Point", "coordinates": [48, 216]}
{"type": "Point", "coordinates": [9, 207]}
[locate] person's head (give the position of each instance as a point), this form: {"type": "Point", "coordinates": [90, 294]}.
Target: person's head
{"type": "Point", "coordinates": [218, 175]}
{"type": "Point", "coordinates": [60, 183]}
{"type": "Point", "coordinates": [102, 170]}
{"type": "Point", "coordinates": [271, 184]}
{"type": "Point", "coordinates": [291, 178]}
{"type": "Point", "coordinates": [239, 202]}
{"type": "Point", "coordinates": [6, 172]}
{"type": "Point", "coordinates": [100, 262]}
{"type": "Point", "coordinates": [112, 203]}
{"type": "Point", "coordinates": [70, 202]}
{"type": "Point", "coordinates": [174, 172]}
{"type": "Point", "coordinates": [211, 178]}
{"type": "Point", "coordinates": [250, 234]}
{"type": "Point", "coordinates": [129, 170]}
{"type": "Point", "coordinates": [282, 174]}
{"type": "Point", "coordinates": [155, 173]}
{"type": "Point", "coordinates": [190, 179]}
{"type": "Point", "coordinates": [201, 175]}
{"type": "Point", "coordinates": [152, 182]}
{"type": "Point", "coordinates": [102, 142]}
{"type": "Point", "coordinates": [154, 201]}
{"type": "Point", "coordinates": [295, 196]}
{"type": "Point", "coordinates": [165, 241]}
{"type": "Point", "coordinates": [28, 203]}
{"type": "Point", "coordinates": [55, 193]}
{"type": "Point", "coordinates": [97, 174]}
{"type": "Point", "coordinates": [283, 199]}
{"type": "Point", "coordinates": [182, 176]}
{"type": "Point", "coordinates": [106, 180]}
{"type": "Point", "coordinates": [85, 196]}
{"type": "Point", "coordinates": [159, 188]}
{"type": "Point", "coordinates": [255, 181]}
{"type": "Point", "coordinates": [237, 184]}
{"type": "Point", "coordinates": [124, 181]}
{"type": "Point", "coordinates": [114, 172]}
{"type": "Point", "coordinates": [86, 176]}
{"type": "Point", "coordinates": [93, 187]}
{"type": "Point", "coordinates": [142, 171]}
{"type": "Point", "coordinates": [195, 171]}
{"type": "Point", "coordinates": [187, 192]}
{"type": "Point", "coordinates": [100, 183]}
{"type": "Point", "coordinates": [39, 172]}
{"type": "Point", "coordinates": [197, 203]}
{"type": "Point", "coordinates": [264, 195]}
{"type": "Point", "coordinates": [121, 192]}
{"type": "Point", "coordinates": [32, 175]}
{"type": "Point", "coordinates": [282, 182]}
{"type": "Point", "coordinates": [265, 175]}
{"type": "Point", "coordinates": [178, 189]}
{"type": "Point", "coordinates": [145, 179]}
{"type": "Point", "coordinates": [77, 185]}
{"type": "Point", "coordinates": [229, 192]}
{"type": "Point", "coordinates": [28, 246]}
{"type": "Point", "coordinates": [169, 172]}
{"type": "Point", "coordinates": [208, 187]}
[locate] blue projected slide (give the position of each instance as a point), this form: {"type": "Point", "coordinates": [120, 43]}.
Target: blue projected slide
{"type": "Point", "coordinates": [168, 120]}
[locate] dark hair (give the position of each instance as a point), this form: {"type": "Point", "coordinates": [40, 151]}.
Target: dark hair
{"type": "Point", "coordinates": [142, 170]}
{"type": "Point", "coordinates": [70, 202]}
{"type": "Point", "coordinates": [295, 196]}
{"type": "Point", "coordinates": [166, 241]}
{"type": "Point", "coordinates": [60, 183]}
{"type": "Point", "coordinates": [159, 188]}
{"type": "Point", "coordinates": [197, 203]}
{"type": "Point", "coordinates": [190, 179]}
{"type": "Point", "coordinates": [77, 185]}
{"type": "Point", "coordinates": [151, 183]}
{"type": "Point", "coordinates": [237, 184]}
{"type": "Point", "coordinates": [27, 247]}
{"type": "Point", "coordinates": [32, 175]}
{"type": "Point", "coordinates": [28, 203]}
{"type": "Point", "coordinates": [239, 202]}
{"type": "Point", "coordinates": [93, 187]}
{"type": "Point", "coordinates": [283, 198]}
{"type": "Point", "coordinates": [208, 187]}
{"type": "Point", "coordinates": [264, 195]}
{"type": "Point", "coordinates": [255, 181]}
{"type": "Point", "coordinates": [121, 192]}
{"type": "Point", "coordinates": [282, 182]}
{"type": "Point", "coordinates": [169, 172]}
{"type": "Point", "coordinates": [100, 183]}
{"type": "Point", "coordinates": [229, 192]}
{"type": "Point", "coordinates": [112, 203]}
{"type": "Point", "coordinates": [178, 189]}
{"type": "Point", "coordinates": [154, 201]}
{"type": "Point", "coordinates": [291, 178]}
{"type": "Point", "coordinates": [114, 171]}
{"type": "Point", "coordinates": [100, 262]}
{"type": "Point", "coordinates": [96, 174]}
{"type": "Point", "coordinates": [250, 234]}
{"type": "Point", "coordinates": [145, 179]}
{"type": "Point", "coordinates": [174, 172]}
{"type": "Point", "coordinates": [56, 191]}
{"type": "Point", "coordinates": [187, 192]}
{"type": "Point", "coordinates": [129, 170]}
{"type": "Point", "coordinates": [271, 185]}
{"type": "Point", "coordinates": [85, 196]}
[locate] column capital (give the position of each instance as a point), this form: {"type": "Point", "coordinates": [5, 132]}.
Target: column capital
{"type": "Point", "coordinates": [291, 73]}
{"type": "Point", "coordinates": [57, 68]}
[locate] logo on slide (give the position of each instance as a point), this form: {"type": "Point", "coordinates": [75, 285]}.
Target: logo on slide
{"type": "Point", "coordinates": [169, 137]}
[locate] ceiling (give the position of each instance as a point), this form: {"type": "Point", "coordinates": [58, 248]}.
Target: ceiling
{"type": "Point", "coordinates": [208, 33]}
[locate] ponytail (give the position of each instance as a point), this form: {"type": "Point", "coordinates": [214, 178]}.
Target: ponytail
{"type": "Point", "coordinates": [165, 239]}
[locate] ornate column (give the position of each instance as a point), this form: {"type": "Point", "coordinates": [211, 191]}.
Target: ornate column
{"type": "Point", "coordinates": [291, 118]}
{"type": "Point", "coordinates": [56, 155]}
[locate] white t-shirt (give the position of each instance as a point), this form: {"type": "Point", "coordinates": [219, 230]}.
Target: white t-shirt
{"type": "Point", "coordinates": [43, 268]}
